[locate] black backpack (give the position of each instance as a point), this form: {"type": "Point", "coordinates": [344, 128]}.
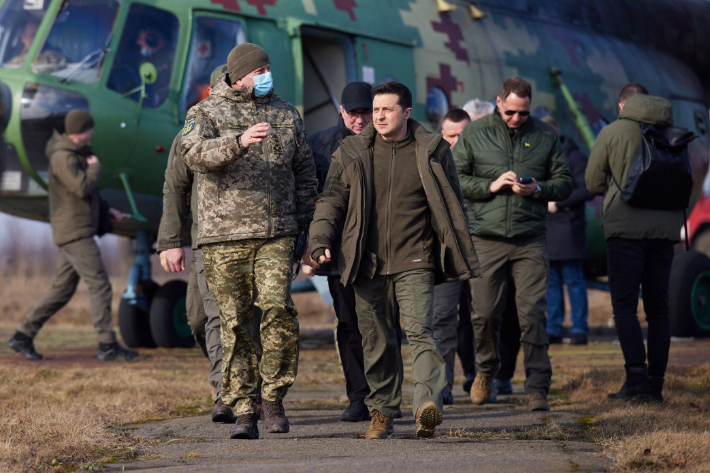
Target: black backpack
{"type": "Point", "coordinates": [660, 176]}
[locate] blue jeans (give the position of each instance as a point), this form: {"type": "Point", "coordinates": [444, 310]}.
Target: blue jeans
{"type": "Point", "coordinates": [567, 272]}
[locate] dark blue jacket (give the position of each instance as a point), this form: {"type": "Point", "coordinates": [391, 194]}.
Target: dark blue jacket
{"type": "Point", "coordinates": [323, 145]}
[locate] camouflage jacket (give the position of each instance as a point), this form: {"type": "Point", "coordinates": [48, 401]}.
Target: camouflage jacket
{"type": "Point", "coordinates": [265, 191]}
{"type": "Point", "coordinates": [179, 199]}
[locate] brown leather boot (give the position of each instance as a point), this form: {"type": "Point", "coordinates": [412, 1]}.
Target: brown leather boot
{"type": "Point", "coordinates": [275, 420]}
{"type": "Point", "coordinates": [481, 389]}
{"type": "Point", "coordinates": [245, 428]}
{"type": "Point", "coordinates": [537, 402]}
{"type": "Point", "coordinates": [380, 426]}
{"type": "Point", "coordinates": [222, 413]}
{"type": "Point", "coordinates": [428, 417]}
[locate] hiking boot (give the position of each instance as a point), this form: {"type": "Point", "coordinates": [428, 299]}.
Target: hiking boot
{"type": "Point", "coordinates": [447, 398]}
{"type": "Point", "coordinates": [428, 417]}
{"type": "Point", "coordinates": [578, 339]}
{"type": "Point", "coordinates": [467, 383]}
{"type": "Point", "coordinates": [222, 413]}
{"type": "Point", "coordinates": [537, 402]}
{"type": "Point", "coordinates": [114, 351]}
{"type": "Point", "coordinates": [655, 388]}
{"type": "Point", "coordinates": [504, 386]}
{"type": "Point", "coordinates": [356, 412]}
{"type": "Point", "coordinates": [259, 409]}
{"type": "Point", "coordinates": [23, 345]}
{"type": "Point", "coordinates": [275, 420]}
{"type": "Point", "coordinates": [481, 390]}
{"type": "Point", "coordinates": [635, 386]}
{"type": "Point", "coordinates": [380, 427]}
{"type": "Point", "coordinates": [245, 428]}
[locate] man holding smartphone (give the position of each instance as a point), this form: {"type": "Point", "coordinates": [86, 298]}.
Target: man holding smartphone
{"type": "Point", "coordinates": [510, 165]}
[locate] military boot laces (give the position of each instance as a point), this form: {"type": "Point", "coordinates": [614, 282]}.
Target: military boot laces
{"type": "Point", "coordinates": [114, 351]}
{"type": "Point", "coordinates": [245, 428]}
{"type": "Point", "coordinates": [23, 345]}
{"type": "Point", "coordinates": [275, 419]}
{"type": "Point", "coordinates": [380, 426]}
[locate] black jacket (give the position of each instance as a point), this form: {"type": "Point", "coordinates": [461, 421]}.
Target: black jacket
{"type": "Point", "coordinates": [566, 228]}
{"type": "Point", "coordinates": [323, 145]}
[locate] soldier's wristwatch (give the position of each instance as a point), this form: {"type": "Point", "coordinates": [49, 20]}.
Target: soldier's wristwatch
{"type": "Point", "coordinates": [537, 192]}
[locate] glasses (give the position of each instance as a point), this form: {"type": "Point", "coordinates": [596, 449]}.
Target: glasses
{"type": "Point", "coordinates": [522, 113]}
{"type": "Point", "coordinates": [364, 115]}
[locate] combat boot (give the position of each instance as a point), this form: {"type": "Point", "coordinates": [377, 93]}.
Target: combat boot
{"type": "Point", "coordinates": [114, 351]}
{"type": "Point", "coordinates": [481, 389]}
{"type": "Point", "coordinates": [447, 398]}
{"type": "Point", "coordinates": [381, 426]}
{"type": "Point", "coordinates": [275, 420]}
{"type": "Point", "coordinates": [23, 345]}
{"type": "Point", "coordinates": [504, 386]}
{"type": "Point", "coordinates": [428, 416]}
{"type": "Point", "coordinates": [655, 387]}
{"type": "Point", "coordinates": [245, 428]}
{"type": "Point", "coordinates": [356, 412]}
{"type": "Point", "coordinates": [635, 386]}
{"type": "Point", "coordinates": [468, 382]}
{"type": "Point", "coordinates": [537, 402]}
{"type": "Point", "coordinates": [222, 413]}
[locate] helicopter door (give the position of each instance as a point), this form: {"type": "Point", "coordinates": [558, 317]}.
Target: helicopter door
{"type": "Point", "coordinates": [328, 66]}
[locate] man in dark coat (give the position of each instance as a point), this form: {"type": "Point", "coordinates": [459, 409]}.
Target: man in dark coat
{"type": "Point", "coordinates": [566, 247]}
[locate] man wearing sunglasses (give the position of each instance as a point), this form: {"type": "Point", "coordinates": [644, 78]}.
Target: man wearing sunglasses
{"type": "Point", "coordinates": [510, 165]}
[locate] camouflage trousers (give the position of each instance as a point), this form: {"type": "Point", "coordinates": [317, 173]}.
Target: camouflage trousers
{"type": "Point", "coordinates": [234, 269]}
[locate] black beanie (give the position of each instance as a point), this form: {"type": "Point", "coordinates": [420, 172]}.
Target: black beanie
{"type": "Point", "coordinates": [245, 58]}
{"type": "Point", "coordinates": [78, 121]}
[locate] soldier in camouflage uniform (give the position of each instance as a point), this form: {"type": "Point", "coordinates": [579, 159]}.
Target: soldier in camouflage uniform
{"type": "Point", "coordinates": [257, 188]}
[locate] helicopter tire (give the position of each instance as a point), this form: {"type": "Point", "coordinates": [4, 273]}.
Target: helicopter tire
{"type": "Point", "coordinates": [168, 316]}
{"type": "Point", "coordinates": [690, 295]}
{"type": "Point", "coordinates": [134, 322]}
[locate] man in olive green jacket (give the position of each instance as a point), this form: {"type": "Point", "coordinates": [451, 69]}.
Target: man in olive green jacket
{"type": "Point", "coordinates": [639, 244]}
{"type": "Point", "coordinates": [77, 214]}
{"type": "Point", "coordinates": [510, 165]}
{"type": "Point", "coordinates": [393, 190]}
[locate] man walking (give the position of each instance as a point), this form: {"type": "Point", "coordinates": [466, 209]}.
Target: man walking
{"type": "Point", "coordinates": [639, 245]}
{"type": "Point", "coordinates": [510, 165]}
{"type": "Point", "coordinates": [256, 188]}
{"type": "Point", "coordinates": [77, 214]}
{"type": "Point", "coordinates": [395, 167]}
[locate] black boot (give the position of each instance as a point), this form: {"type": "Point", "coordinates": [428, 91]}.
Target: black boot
{"type": "Point", "coordinates": [114, 351]}
{"type": "Point", "coordinates": [356, 412]}
{"type": "Point", "coordinates": [635, 387]}
{"type": "Point", "coordinates": [23, 345]}
{"type": "Point", "coordinates": [655, 385]}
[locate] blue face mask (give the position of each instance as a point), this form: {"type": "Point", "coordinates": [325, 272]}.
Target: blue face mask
{"type": "Point", "coordinates": [263, 84]}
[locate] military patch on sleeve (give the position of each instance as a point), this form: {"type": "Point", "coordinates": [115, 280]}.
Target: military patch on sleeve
{"type": "Point", "coordinates": [189, 125]}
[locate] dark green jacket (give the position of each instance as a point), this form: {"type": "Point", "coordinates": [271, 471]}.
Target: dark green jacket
{"type": "Point", "coordinates": [179, 202]}
{"type": "Point", "coordinates": [347, 197]}
{"type": "Point", "coordinates": [485, 151]}
{"type": "Point", "coordinates": [611, 155]}
{"type": "Point", "coordinates": [74, 201]}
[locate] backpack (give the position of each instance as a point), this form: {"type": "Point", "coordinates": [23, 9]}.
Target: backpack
{"type": "Point", "coordinates": [660, 176]}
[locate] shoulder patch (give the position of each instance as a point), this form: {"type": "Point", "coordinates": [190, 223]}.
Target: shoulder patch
{"type": "Point", "coordinates": [189, 125]}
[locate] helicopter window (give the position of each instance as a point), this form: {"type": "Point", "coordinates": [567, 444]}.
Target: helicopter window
{"type": "Point", "coordinates": [78, 40]}
{"type": "Point", "coordinates": [150, 36]}
{"type": "Point", "coordinates": [211, 43]}
{"type": "Point", "coordinates": [18, 27]}
{"type": "Point", "coordinates": [437, 106]}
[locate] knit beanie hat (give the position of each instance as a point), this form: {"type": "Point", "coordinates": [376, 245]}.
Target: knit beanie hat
{"type": "Point", "coordinates": [78, 121]}
{"type": "Point", "coordinates": [243, 59]}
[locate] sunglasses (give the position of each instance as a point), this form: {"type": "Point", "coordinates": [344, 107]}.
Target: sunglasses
{"type": "Point", "coordinates": [522, 113]}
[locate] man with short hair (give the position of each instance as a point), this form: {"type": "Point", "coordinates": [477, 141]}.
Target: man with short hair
{"type": "Point", "coordinates": [179, 201]}
{"type": "Point", "coordinates": [447, 296]}
{"type": "Point", "coordinates": [355, 114]}
{"type": "Point", "coordinates": [395, 167]}
{"type": "Point", "coordinates": [77, 214]}
{"type": "Point", "coordinates": [639, 245]}
{"type": "Point", "coordinates": [256, 187]}
{"type": "Point", "coordinates": [510, 165]}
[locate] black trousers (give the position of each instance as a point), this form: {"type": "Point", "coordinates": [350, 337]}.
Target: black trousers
{"type": "Point", "coordinates": [645, 264]}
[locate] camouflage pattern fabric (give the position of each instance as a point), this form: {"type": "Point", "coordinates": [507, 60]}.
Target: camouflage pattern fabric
{"type": "Point", "coordinates": [265, 191]}
{"type": "Point", "coordinates": [233, 270]}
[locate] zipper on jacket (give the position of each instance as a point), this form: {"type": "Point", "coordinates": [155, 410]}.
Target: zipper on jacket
{"type": "Point", "coordinates": [267, 150]}
{"type": "Point", "coordinates": [508, 203]}
{"type": "Point", "coordinates": [389, 209]}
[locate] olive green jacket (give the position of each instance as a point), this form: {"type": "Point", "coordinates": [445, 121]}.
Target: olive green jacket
{"type": "Point", "coordinates": [74, 201]}
{"type": "Point", "coordinates": [179, 201]}
{"type": "Point", "coordinates": [485, 151]}
{"type": "Point", "coordinates": [612, 155]}
{"type": "Point", "coordinates": [347, 198]}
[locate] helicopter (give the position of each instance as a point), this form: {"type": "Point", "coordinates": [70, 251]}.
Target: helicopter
{"type": "Point", "coordinates": [139, 65]}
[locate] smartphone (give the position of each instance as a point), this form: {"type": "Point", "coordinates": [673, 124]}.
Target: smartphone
{"type": "Point", "coordinates": [525, 180]}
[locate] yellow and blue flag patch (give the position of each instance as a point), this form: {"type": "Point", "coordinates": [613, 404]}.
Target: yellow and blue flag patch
{"type": "Point", "coordinates": [189, 125]}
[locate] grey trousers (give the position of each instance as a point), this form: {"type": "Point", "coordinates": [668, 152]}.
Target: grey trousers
{"type": "Point", "coordinates": [445, 325]}
{"type": "Point", "coordinates": [79, 259]}
{"type": "Point", "coordinates": [524, 262]}
{"type": "Point", "coordinates": [375, 301]}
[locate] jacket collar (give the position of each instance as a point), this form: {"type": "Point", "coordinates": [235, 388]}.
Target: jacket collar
{"type": "Point", "coordinates": [242, 95]}
{"type": "Point", "coordinates": [422, 137]}
{"type": "Point", "coordinates": [498, 120]}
